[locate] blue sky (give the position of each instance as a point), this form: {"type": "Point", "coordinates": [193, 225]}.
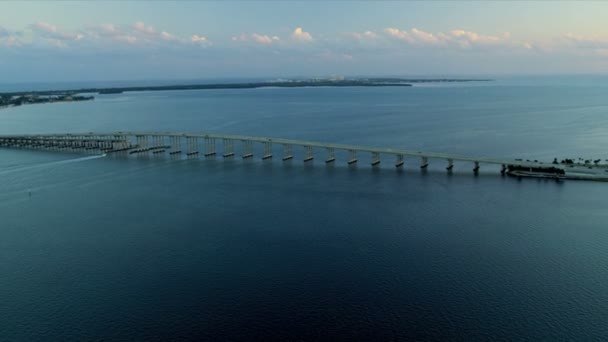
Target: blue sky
{"type": "Point", "coordinates": [104, 40]}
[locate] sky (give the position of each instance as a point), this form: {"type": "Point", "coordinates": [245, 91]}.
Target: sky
{"type": "Point", "coordinates": [54, 41]}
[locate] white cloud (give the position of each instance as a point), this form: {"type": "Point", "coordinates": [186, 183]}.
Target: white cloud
{"type": "Point", "coordinates": [200, 40]}
{"type": "Point", "coordinates": [367, 35]}
{"type": "Point", "coordinates": [301, 35]}
{"type": "Point", "coordinates": [140, 26]}
{"type": "Point", "coordinates": [593, 42]}
{"type": "Point", "coordinates": [426, 36]}
{"type": "Point", "coordinates": [167, 36]}
{"type": "Point", "coordinates": [458, 38]}
{"type": "Point", "coordinates": [52, 33]}
{"type": "Point", "coordinates": [472, 37]}
{"type": "Point", "coordinates": [125, 38]}
{"type": "Point", "coordinates": [109, 29]}
{"type": "Point", "coordinates": [398, 34]}
{"type": "Point", "coordinates": [264, 39]}
{"type": "Point", "coordinates": [416, 36]}
{"type": "Point", "coordinates": [256, 38]}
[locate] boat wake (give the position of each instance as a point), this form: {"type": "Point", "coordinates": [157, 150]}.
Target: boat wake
{"type": "Point", "coordinates": [59, 162]}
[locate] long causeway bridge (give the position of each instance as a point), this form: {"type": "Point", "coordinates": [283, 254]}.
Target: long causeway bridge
{"type": "Point", "coordinates": [209, 145]}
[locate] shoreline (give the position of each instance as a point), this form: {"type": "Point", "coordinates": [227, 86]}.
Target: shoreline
{"type": "Point", "coordinates": [368, 82]}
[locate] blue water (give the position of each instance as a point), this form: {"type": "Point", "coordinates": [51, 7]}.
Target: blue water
{"type": "Point", "coordinates": [117, 248]}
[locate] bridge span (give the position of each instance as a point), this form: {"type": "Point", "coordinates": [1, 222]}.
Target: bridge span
{"type": "Point", "coordinates": [209, 145]}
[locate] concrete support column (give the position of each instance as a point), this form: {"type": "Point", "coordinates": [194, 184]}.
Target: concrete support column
{"type": "Point", "coordinates": [115, 144]}
{"type": "Point", "coordinates": [287, 152]}
{"type": "Point", "coordinates": [352, 156]}
{"type": "Point", "coordinates": [247, 146]}
{"type": "Point", "coordinates": [400, 160]}
{"type": "Point", "coordinates": [209, 147]}
{"type": "Point", "coordinates": [375, 158]}
{"type": "Point", "coordinates": [331, 155]}
{"type": "Point", "coordinates": [192, 146]}
{"type": "Point", "coordinates": [177, 147]}
{"type": "Point", "coordinates": [308, 153]}
{"type": "Point", "coordinates": [228, 147]}
{"type": "Point", "coordinates": [267, 150]}
{"type": "Point", "coordinates": [424, 162]}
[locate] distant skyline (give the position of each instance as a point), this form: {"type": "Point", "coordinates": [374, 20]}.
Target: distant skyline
{"type": "Point", "coordinates": [97, 41]}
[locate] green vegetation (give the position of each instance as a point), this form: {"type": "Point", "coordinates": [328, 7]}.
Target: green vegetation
{"type": "Point", "coordinates": [45, 96]}
{"type": "Point", "coordinates": [34, 97]}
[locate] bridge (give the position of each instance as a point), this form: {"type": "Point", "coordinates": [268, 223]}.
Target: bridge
{"type": "Point", "coordinates": [209, 145]}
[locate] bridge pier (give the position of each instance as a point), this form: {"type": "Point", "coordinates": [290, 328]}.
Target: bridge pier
{"type": "Point", "coordinates": [209, 147]}
{"type": "Point", "coordinates": [192, 147]}
{"type": "Point", "coordinates": [400, 160]}
{"type": "Point", "coordinates": [287, 152]}
{"type": "Point", "coordinates": [424, 162]}
{"type": "Point", "coordinates": [228, 147]}
{"type": "Point", "coordinates": [308, 153]}
{"type": "Point", "coordinates": [331, 155]}
{"type": "Point", "coordinates": [139, 141]}
{"type": "Point", "coordinates": [247, 148]}
{"type": "Point", "coordinates": [176, 145]}
{"type": "Point", "coordinates": [267, 151]}
{"type": "Point", "coordinates": [375, 158]}
{"type": "Point", "coordinates": [352, 157]}
{"type": "Point", "coordinates": [450, 165]}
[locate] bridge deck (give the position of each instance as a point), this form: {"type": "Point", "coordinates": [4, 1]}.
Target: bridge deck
{"type": "Point", "coordinates": [304, 143]}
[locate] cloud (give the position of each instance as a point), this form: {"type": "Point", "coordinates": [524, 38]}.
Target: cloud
{"type": "Point", "coordinates": [264, 39]}
{"type": "Point", "coordinates": [10, 41]}
{"type": "Point", "coordinates": [458, 38]}
{"type": "Point", "coordinates": [591, 42]}
{"type": "Point", "coordinates": [125, 38]}
{"type": "Point", "coordinates": [141, 27]}
{"type": "Point", "coordinates": [416, 36]}
{"type": "Point", "coordinates": [468, 38]}
{"type": "Point", "coordinates": [301, 35]}
{"type": "Point", "coordinates": [367, 35]}
{"type": "Point", "coordinates": [200, 40]}
{"type": "Point", "coordinates": [256, 38]}
{"type": "Point", "coordinates": [167, 36]}
{"type": "Point", "coordinates": [427, 37]}
{"type": "Point", "coordinates": [112, 33]}
{"type": "Point", "coordinates": [109, 30]}
{"type": "Point", "coordinates": [51, 32]}
{"type": "Point", "coordinates": [137, 34]}
{"type": "Point", "coordinates": [398, 34]}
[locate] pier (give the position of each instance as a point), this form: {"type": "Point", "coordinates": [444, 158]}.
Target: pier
{"type": "Point", "coordinates": [159, 144]}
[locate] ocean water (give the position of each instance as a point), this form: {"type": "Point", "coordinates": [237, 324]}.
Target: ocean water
{"type": "Point", "coordinates": [117, 248]}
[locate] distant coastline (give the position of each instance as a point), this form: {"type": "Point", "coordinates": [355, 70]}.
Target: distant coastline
{"type": "Point", "coordinates": [11, 99]}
